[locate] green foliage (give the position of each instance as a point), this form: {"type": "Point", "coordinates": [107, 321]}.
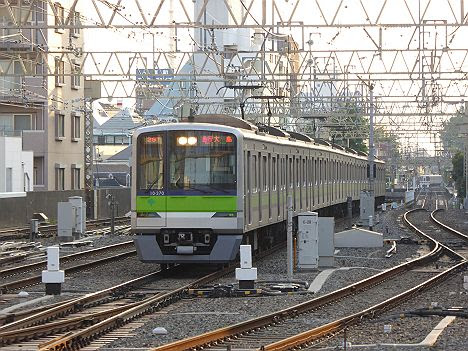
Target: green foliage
{"type": "Point", "coordinates": [457, 174]}
{"type": "Point", "coordinates": [358, 145]}
{"type": "Point", "coordinates": [449, 135]}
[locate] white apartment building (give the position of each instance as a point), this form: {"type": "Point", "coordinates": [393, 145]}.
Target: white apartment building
{"type": "Point", "coordinates": [16, 167]}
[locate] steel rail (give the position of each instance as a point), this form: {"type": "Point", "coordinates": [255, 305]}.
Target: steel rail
{"type": "Point", "coordinates": [22, 283]}
{"type": "Point", "coordinates": [15, 232]}
{"type": "Point", "coordinates": [450, 251]}
{"type": "Point", "coordinates": [314, 334]}
{"type": "Point", "coordinates": [222, 334]}
{"type": "Point", "coordinates": [11, 317]}
{"type": "Point", "coordinates": [225, 333]}
{"type": "Point", "coordinates": [64, 259]}
{"type": "Point", "coordinates": [76, 340]}
{"type": "Point", "coordinates": [446, 227]}
{"type": "Point", "coordinates": [308, 337]}
{"type": "Point", "coordinates": [64, 308]}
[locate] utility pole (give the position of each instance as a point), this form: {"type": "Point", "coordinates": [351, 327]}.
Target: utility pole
{"type": "Point", "coordinates": [371, 137]}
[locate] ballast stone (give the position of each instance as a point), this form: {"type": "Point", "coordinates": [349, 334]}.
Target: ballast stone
{"type": "Point", "coordinates": [23, 294]}
{"type": "Point", "coordinates": [160, 331]}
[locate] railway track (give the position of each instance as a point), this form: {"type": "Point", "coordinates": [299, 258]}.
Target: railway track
{"type": "Point", "coordinates": [126, 249]}
{"type": "Point", "coordinates": [98, 313]}
{"type": "Point", "coordinates": [279, 330]}
{"type": "Point", "coordinates": [50, 229]}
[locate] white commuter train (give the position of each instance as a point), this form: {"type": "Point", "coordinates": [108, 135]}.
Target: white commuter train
{"type": "Point", "coordinates": [203, 187]}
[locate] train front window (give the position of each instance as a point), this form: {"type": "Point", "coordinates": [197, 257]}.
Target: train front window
{"type": "Point", "coordinates": [150, 160]}
{"type": "Point", "coordinates": [201, 162]}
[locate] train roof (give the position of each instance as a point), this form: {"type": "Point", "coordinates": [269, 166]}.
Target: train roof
{"type": "Point", "coordinates": [259, 132]}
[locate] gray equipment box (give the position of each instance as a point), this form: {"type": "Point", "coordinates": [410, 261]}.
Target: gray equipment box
{"type": "Point", "coordinates": [65, 220]}
{"type": "Point", "coordinates": [326, 243]}
{"type": "Point", "coordinates": [367, 203]}
{"type": "Point", "coordinates": [307, 241]}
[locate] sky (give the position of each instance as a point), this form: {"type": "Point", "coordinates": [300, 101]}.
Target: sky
{"type": "Point", "coordinates": [434, 39]}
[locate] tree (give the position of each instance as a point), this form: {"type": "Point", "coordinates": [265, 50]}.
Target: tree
{"type": "Point", "coordinates": [449, 135]}
{"type": "Point", "coordinates": [457, 173]}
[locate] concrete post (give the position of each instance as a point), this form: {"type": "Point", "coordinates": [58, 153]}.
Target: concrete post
{"type": "Point", "coordinates": [34, 229]}
{"type": "Point", "coordinates": [349, 202]}
{"type": "Point", "coordinates": [53, 277]}
{"type": "Point", "coordinates": [246, 275]}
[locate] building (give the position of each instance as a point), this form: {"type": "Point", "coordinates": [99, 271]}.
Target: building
{"type": "Point", "coordinates": [16, 166]}
{"type": "Point", "coordinates": [234, 66]}
{"type": "Point", "coordinates": [115, 134]}
{"type": "Point", "coordinates": [45, 108]}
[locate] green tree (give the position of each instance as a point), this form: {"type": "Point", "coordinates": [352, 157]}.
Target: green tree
{"type": "Point", "coordinates": [449, 135]}
{"type": "Point", "coordinates": [354, 125]}
{"type": "Point", "coordinates": [457, 174]}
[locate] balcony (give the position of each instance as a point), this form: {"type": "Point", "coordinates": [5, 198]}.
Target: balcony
{"type": "Point", "coordinates": [11, 89]}
{"type": "Point", "coordinates": [19, 39]}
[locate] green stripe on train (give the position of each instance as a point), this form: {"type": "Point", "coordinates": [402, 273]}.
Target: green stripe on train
{"type": "Point", "coordinates": [186, 204]}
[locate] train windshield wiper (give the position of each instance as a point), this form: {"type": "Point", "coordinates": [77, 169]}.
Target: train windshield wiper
{"type": "Point", "coordinates": [148, 189]}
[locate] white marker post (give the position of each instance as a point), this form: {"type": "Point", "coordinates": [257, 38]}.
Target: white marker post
{"type": "Point", "coordinates": [246, 274]}
{"type": "Point", "coordinates": [53, 277]}
{"type": "Point", "coordinates": [290, 238]}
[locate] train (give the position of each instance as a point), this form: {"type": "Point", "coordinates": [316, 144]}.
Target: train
{"type": "Point", "coordinates": [203, 186]}
{"type": "Point", "coordinates": [430, 181]}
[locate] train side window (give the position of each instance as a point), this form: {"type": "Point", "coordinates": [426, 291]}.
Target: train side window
{"type": "Point", "coordinates": [273, 173]}
{"type": "Point", "coordinates": [291, 181]}
{"type": "Point", "coordinates": [298, 173]}
{"type": "Point", "coordinates": [254, 168]}
{"type": "Point", "coordinates": [315, 172]}
{"type": "Point", "coordinates": [265, 178]}
{"type": "Point", "coordinates": [248, 172]}
{"type": "Point", "coordinates": [304, 172]}
{"type": "Point", "coordinates": [320, 172]}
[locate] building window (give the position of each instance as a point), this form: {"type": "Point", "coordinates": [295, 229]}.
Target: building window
{"type": "Point", "coordinates": [75, 21]}
{"type": "Point", "coordinates": [9, 180]}
{"type": "Point", "coordinates": [59, 126]}
{"type": "Point", "coordinates": [59, 17]}
{"type": "Point", "coordinates": [59, 178]}
{"type": "Point", "coordinates": [76, 127]}
{"type": "Point", "coordinates": [59, 72]}
{"type": "Point", "coordinates": [121, 139]}
{"type": "Point", "coordinates": [22, 122]}
{"type": "Point", "coordinates": [75, 78]}
{"type": "Point", "coordinates": [75, 180]}
{"type": "Point", "coordinates": [38, 171]}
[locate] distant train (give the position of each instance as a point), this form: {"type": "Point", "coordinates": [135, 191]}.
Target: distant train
{"type": "Point", "coordinates": [430, 180]}
{"type": "Point", "coordinates": [201, 189]}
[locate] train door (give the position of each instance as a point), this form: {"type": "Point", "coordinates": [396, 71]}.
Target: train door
{"type": "Point", "coordinates": [295, 178]}
{"type": "Point", "coordinates": [151, 182]}
{"type": "Point", "coordinates": [248, 183]}
{"type": "Point", "coordinates": [260, 187]}
{"type": "Point", "coordinates": [299, 182]}
{"type": "Point", "coordinates": [278, 185]}
{"type": "Point", "coordinates": [270, 171]}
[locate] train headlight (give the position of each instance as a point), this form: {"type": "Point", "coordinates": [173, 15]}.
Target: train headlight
{"type": "Point", "coordinates": [182, 140]}
{"type": "Point", "coordinates": [192, 140]}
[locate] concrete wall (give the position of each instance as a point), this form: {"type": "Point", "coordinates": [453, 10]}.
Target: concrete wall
{"type": "Point", "coordinates": [17, 211]}
{"type": "Point", "coordinates": [122, 201]}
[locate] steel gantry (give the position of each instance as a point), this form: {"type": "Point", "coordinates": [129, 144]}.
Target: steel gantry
{"type": "Point", "coordinates": [314, 53]}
